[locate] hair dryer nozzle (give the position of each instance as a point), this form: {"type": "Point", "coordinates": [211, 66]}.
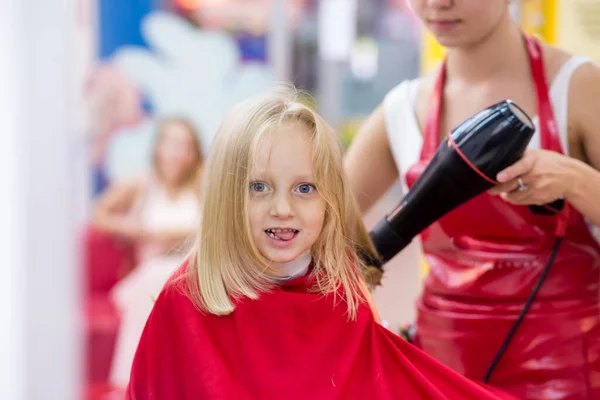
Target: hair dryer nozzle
{"type": "Point", "coordinates": [520, 114]}
{"type": "Point", "coordinates": [387, 242]}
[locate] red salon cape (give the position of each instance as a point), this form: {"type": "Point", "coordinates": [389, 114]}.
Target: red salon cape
{"type": "Point", "coordinates": [289, 344]}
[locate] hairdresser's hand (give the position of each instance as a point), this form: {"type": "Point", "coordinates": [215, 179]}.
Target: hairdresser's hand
{"type": "Point", "coordinates": [545, 176]}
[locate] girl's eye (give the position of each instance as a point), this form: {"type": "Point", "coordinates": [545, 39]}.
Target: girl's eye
{"type": "Point", "coordinates": [258, 187]}
{"type": "Point", "coordinates": [306, 188]}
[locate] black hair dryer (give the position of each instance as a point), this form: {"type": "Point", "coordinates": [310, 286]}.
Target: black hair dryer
{"type": "Point", "coordinates": [464, 166]}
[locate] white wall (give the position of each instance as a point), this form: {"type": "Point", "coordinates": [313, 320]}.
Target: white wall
{"type": "Point", "coordinates": [39, 301]}
{"type": "Point", "coordinates": [11, 213]}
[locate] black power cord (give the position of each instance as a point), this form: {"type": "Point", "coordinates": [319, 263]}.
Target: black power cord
{"type": "Point", "coordinates": [524, 311]}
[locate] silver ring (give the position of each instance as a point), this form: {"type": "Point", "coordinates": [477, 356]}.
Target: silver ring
{"type": "Point", "coordinates": [522, 186]}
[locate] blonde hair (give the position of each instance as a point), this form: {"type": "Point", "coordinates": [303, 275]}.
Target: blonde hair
{"type": "Point", "coordinates": [226, 264]}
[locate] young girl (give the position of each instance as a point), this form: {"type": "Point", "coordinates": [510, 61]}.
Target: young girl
{"type": "Point", "coordinates": [271, 304]}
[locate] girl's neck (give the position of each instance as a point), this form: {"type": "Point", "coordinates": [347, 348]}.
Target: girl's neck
{"type": "Point", "coordinates": [501, 53]}
{"type": "Point", "coordinates": [293, 269]}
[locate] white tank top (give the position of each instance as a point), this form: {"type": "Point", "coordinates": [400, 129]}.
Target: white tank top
{"type": "Point", "coordinates": [156, 211]}
{"type": "Point", "coordinates": [406, 139]}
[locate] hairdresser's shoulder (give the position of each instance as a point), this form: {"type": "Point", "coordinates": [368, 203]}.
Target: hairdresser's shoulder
{"type": "Point", "coordinates": [554, 58]}
{"type": "Point", "coordinates": [584, 85]}
{"type": "Point", "coordinates": [400, 90]}
{"type": "Point", "coordinates": [586, 76]}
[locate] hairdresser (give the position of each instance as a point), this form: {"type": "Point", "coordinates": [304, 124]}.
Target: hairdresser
{"type": "Point", "coordinates": [486, 257]}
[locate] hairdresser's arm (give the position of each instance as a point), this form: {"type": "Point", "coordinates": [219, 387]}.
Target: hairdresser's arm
{"type": "Point", "coordinates": [549, 175]}
{"type": "Point", "coordinates": [113, 205]}
{"type": "Point", "coordinates": [369, 162]}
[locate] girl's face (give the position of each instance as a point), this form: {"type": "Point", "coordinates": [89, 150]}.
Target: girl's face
{"type": "Point", "coordinates": [286, 210]}
{"type": "Point", "coordinates": [460, 23]}
{"type": "Point", "coordinates": [176, 152]}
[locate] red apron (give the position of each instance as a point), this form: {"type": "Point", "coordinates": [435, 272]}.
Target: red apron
{"type": "Point", "coordinates": [485, 257]}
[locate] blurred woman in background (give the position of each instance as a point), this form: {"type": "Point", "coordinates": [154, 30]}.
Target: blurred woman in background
{"type": "Point", "coordinates": [158, 212]}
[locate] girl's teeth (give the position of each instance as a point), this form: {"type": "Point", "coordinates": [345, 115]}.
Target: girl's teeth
{"type": "Point", "coordinates": [281, 234]}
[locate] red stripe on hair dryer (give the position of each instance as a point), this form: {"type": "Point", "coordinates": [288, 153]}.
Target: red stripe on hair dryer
{"type": "Point", "coordinates": [464, 166]}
